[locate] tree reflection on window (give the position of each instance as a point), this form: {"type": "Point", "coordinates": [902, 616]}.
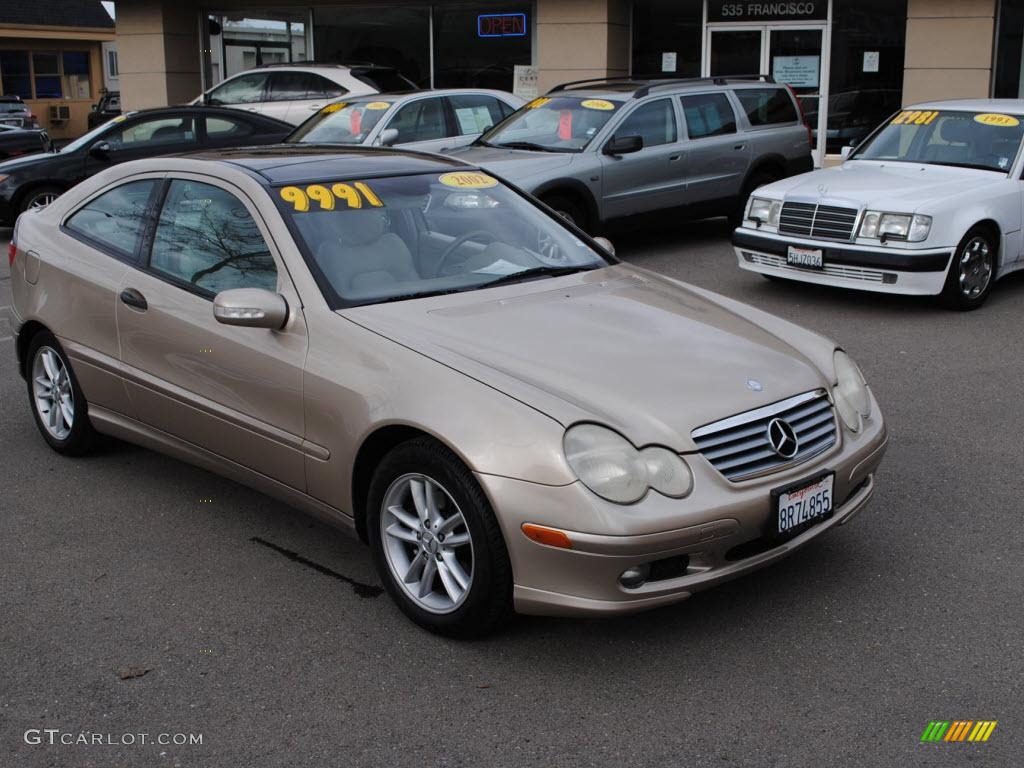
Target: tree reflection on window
{"type": "Point", "coordinates": [206, 237]}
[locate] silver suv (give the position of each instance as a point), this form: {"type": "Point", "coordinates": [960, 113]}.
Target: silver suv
{"type": "Point", "coordinates": [595, 150]}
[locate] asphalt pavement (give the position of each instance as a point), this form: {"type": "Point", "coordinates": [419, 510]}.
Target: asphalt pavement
{"type": "Point", "coordinates": [139, 595]}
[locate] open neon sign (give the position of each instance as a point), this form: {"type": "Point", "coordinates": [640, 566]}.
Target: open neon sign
{"type": "Point", "coordinates": [501, 25]}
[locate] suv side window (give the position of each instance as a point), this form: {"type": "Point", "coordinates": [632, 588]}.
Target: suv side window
{"type": "Point", "coordinates": [116, 218]}
{"type": "Point", "coordinates": [708, 114]}
{"type": "Point", "coordinates": [654, 122]}
{"type": "Point", "coordinates": [245, 89]}
{"type": "Point", "coordinates": [322, 88]}
{"type": "Point", "coordinates": [475, 113]}
{"type": "Point", "coordinates": [422, 120]}
{"type": "Point", "coordinates": [206, 238]}
{"type": "Point", "coordinates": [765, 106]}
{"type": "Point", "coordinates": [288, 86]}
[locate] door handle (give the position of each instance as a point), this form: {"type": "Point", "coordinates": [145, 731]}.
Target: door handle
{"type": "Point", "coordinates": [133, 298]}
{"type": "Point", "coordinates": [739, 146]}
{"type": "Point", "coordinates": [314, 107]}
{"type": "Point", "coordinates": [673, 158]}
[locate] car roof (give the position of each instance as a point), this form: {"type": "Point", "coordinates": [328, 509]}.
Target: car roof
{"type": "Point", "coordinates": [300, 163]}
{"type": "Point", "coordinates": [398, 95]}
{"type": "Point", "coordinates": [201, 109]}
{"type": "Point", "coordinates": [974, 105]}
{"type": "Point", "coordinates": [637, 88]}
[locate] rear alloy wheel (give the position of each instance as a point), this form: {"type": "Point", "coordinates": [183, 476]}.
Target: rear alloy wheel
{"type": "Point", "coordinates": [436, 543]}
{"type": "Point", "coordinates": [39, 198]}
{"type": "Point", "coordinates": [57, 402]}
{"type": "Point", "coordinates": [972, 272]}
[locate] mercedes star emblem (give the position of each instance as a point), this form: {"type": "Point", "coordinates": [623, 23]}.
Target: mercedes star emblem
{"type": "Point", "coordinates": [754, 385]}
{"type": "Point", "coordinates": [782, 438]}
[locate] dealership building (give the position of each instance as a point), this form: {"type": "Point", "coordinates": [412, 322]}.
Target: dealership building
{"type": "Point", "coordinates": [850, 61]}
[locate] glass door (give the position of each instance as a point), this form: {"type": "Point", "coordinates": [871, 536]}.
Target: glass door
{"type": "Point", "coordinates": [794, 58]}
{"type": "Point", "coordinates": [735, 51]}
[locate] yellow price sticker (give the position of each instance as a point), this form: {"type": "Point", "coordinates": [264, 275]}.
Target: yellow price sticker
{"type": "Point", "coordinates": [914, 117]}
{"type": "Point", "coordinates": [1002, 121]}
{"type": "Point", "coordinates": [375, 105]}
{"type": "Point", "coordinates": [332, 108]}
{"type": "Point", "coordinates": [597, 104]}
{"type": "Point", "coordinates": [328, 196]}
{"type": "Point", "coordinates": [538, 103]}
{"type": "Point", "coordinates": [468, 180]}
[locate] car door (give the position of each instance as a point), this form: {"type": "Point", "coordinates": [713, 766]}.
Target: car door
{"type": "Point", "coordinates": [162, 133]}
{"type": "Point", "coordinates": [717, 155]}
{"type": "Point", "coordinates": [421, 124]}
{"type": "Point", "coordinates": [652, 178]}
{"type": "Point", "coordinates": [248, 91]}
{"type": "Point", "coordinates": [236, 392]}
{"type": "Point", "coordinates": [310, 95]}
{"type": "Point", "coordinates": [470, 114]}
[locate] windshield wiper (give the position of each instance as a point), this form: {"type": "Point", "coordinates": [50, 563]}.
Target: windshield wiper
{"type": "Point", "coordinates": [526, 274]}
{"type": "Point", "coordinates": [530, 145]}
{"type": "Point", "coordinates": [479, 141]}
{"type": "Point", "coordinates": [975, 166]}
{"type": "Point", "coordinates": [416, 295]}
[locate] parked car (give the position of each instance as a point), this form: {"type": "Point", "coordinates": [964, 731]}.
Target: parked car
{"type": "Point", "coordinates": [109, 106]}
{"type": "Point", "coordinates": [429, 121]}
{"type": "Point", "coordinates": [293, 92]}
{"type": "Point", "coordinates": [929, 204]}
{"type": "Point", "coordinates": [37, 180]}
{"type": "Point", "coordinates": [22, 141]}
{"type": "Point", "coordinates": [15, 113]}
{"type": "Point", "coordinates": [600, 149]}
{"type": "Point", "coordinates": [427, 357]}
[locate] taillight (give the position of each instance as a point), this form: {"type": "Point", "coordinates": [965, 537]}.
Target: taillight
{"type": "Point", "coordinates": [803, 117]}
{"type": "Point", "coordinates": [12, 248]}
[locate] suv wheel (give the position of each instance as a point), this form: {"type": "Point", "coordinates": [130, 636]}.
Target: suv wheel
{"type": "Point", "coordinates": [568, 209]}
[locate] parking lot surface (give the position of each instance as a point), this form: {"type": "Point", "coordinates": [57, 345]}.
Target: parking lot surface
{"type": "Point", "coordinates": [141, 595]}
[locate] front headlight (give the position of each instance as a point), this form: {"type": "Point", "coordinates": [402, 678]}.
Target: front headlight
{"type": "Point", "coordinates": [614, 469]}
{"type": "Point", "coordinates": [851, 392]}
{"type": "Point", "coordinates": [764, 210]}
{"type": "Point", "coordinates": [896, 226]}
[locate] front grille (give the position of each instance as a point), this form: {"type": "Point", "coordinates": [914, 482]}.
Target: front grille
{"type": "Point", "coordinates": [812, 220]}
{"type": "Point", "coordinates": [738, 446]}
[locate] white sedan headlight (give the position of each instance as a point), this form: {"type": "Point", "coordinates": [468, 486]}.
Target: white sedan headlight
{"type": "Point", "coordinates": [851, 392]}
{"type": "Point", "coordinates": [895, 226]}
{"type": "Point", "coordinates": [610, 465]}
{"type": "Point", "coordinates": [764, 211]}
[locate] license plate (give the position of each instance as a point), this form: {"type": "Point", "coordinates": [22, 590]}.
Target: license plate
{"type": "Point", "coordinates": [804, 257]}
{"type": "Point", "coordinates": [800, 506]}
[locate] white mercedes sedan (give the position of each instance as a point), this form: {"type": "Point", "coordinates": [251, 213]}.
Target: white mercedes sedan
{"type": "Point", "coordinates": [928, 204]}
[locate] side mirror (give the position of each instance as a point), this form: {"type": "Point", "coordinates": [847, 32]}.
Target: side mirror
{"type": "Point", "coordinates": [846, 151]}
{"type": "Point", "coordinates": [388, 137]}
{"type": "Point", "coordinates": [623, 145]}
{"type": "Point", "coordinates": [250, 308]}
{"type": "Point", "coordinates": [605, 243]}
{"type": "Point", "coordinates": [100, 149]}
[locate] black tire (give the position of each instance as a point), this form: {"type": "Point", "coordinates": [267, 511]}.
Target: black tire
{"type": "Point", "coordinates": [759, 179]}
{"type": "Point", "coordinates": [976, 253]}
{"type": "Point", "coordinates": [81, 438]}
{"type": "Point", "coordinates": [37, 195]}
{"type": "Point", "coordinates": [569, 209]}
{"type": "Point", "coordinates": [488, 602]}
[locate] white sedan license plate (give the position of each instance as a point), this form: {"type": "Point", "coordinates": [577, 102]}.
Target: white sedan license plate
{"type": "Point", "coordinates": [804, 257]}
{"type": "Point", "coordinates": [800, 506]}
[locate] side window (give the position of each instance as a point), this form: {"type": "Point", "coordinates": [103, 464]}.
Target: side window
{"type": "Point", "coordinates": [765, 106]}
{"type": "Point", "coordinates": [246, 89]}
{"type": "Point", "coordinates": [223, 128]}
{"type": "Point", "coordinates": [422, 120]}
{"type": "Point", "coordinates": [322, 88]}
{"type": "Point", "coordinates": [708, 114]}
{"type": "Point", "coordinates": [206, 237]}
{"type": "Point", "coordinates": [116, 218]}
{"type": "Point", "coordinates": [654, 122]}
{"type": "Point", "coordinates": [475, 113]}
{"type": "Point", "coordinates": [288, 86]}
{"type": "Point", "coordinates": [152, 133]}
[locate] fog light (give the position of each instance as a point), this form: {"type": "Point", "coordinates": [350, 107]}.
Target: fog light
{"type": "Point", "coordinates": [634, 577]}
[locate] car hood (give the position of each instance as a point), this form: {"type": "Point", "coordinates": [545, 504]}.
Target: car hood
{"type": "Point", "coordinates": [24, 161]}
{"type": "Point", "coordinates": [513, 164]}
{"type": "Point", "coordinates": [888, 186]}
{"type": "Point", "coordinates": [648, 356]}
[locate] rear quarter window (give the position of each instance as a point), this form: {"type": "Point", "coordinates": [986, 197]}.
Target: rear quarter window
{"type": "Point", "coordinates": [767, 106]}
{"type": "Point", "coordinates": [115, 220]}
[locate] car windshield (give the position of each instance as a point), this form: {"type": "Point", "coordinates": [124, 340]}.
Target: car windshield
{"type": "Point", "coordinates": [12, 106]}
{"type": "Point", "coordinates": [984, 140]}
{"type": "Point", "coordinates": [406, 237]}
{"type": "Point", "coordinates": [344, 122]}
{"type": "Point", "coordinates": [553, 124]}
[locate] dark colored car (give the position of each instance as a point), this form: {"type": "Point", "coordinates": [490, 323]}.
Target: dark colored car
{"type": "Point", "coordinates": [15, 112]}
{"type": "Point", "coordinates": [109, 106]}
{"type": "Point", "coordinates": [22, 141]}
{"type": "Point", "coordinates": [35, 181]}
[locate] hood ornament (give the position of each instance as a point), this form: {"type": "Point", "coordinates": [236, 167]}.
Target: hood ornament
{"type": "Point", "coordinates": [754, 385]}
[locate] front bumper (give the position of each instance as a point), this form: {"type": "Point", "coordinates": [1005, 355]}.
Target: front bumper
{"type": "Point", "coordinates": [915, 272]}
{"type": "Point", "coordinates": [719, 529]}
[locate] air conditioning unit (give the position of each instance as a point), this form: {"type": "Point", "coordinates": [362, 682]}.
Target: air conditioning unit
{"type": "Point", "coordinates": [59, 113]}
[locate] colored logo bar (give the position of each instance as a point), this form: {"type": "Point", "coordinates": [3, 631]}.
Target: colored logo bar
{"type": "Point", "coordinates": [958, 730]}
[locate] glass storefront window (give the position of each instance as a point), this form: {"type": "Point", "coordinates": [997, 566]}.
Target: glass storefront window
{"type": "Point", "coordinates": [667, 38]}
{"type": "Point", "coordinates": [76, 74]}
{"type": "Point", "coordinates": [390, 36]}
{"type": "Point", "coordinates": [14, 71]}
{"type": "Point", "coordinates": [46, 68]}
{"type": "Point", "coordinates": [477, 47]}
{"type": "Point", "coordinates": [1008, 82]}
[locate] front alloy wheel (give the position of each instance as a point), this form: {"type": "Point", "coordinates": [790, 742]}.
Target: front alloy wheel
{"type": "Point", "coordinates": [972, 272]}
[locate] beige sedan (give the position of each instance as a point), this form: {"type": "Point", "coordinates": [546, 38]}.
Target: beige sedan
{"type": "Point", "coordinates": [406, 346]}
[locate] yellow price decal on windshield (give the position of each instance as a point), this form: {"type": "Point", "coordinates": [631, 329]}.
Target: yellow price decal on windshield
{"type": "Point", "coordinates": [331, 108]}
{"type": "Point", "coordinates": [468, 180]}
{"type": "Point", "coordinates": [328, 197]}
{"type": "Point", "coordinates": [375, 105]}
{"type": "Point", "coordinates": [597, 104]}
{"type": "Point", "coordinates": [991, 118]}
{"type": "Point", "coordinates": [538, 103]}
{"type": "Point", "coordinates": [914, 117]}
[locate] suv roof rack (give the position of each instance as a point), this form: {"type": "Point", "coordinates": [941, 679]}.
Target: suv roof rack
{"type": "Point", "coordinates": [339, 64]}
{"type": "Point", "coordinates": [644, 85]}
